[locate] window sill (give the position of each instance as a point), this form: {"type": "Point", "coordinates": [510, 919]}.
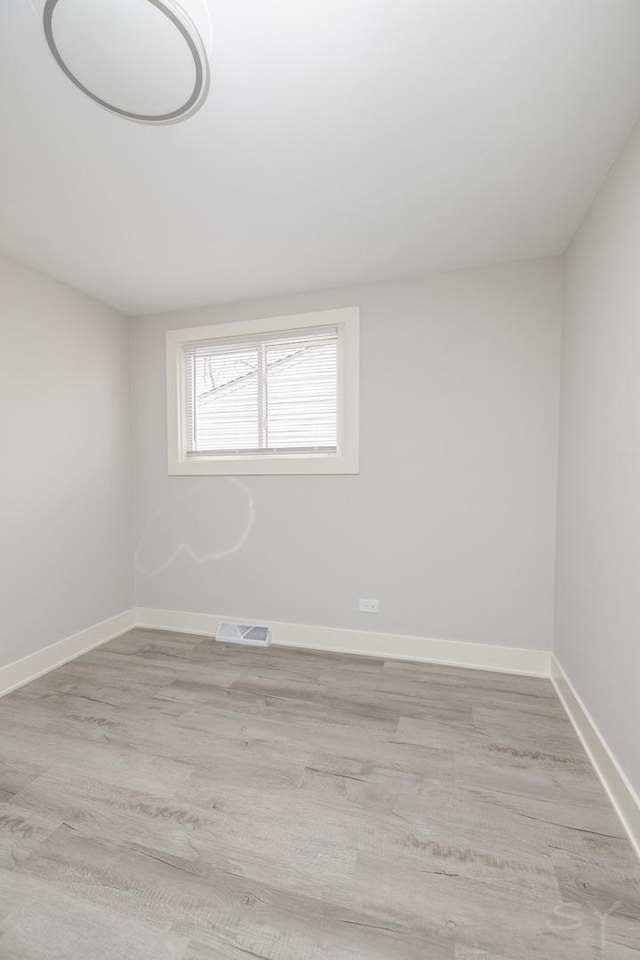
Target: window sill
{"type": "Point", "coordinates": [267, 466]}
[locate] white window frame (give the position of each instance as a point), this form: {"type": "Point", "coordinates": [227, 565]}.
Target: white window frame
{"type": "Point", "coordinates": [347, 322]}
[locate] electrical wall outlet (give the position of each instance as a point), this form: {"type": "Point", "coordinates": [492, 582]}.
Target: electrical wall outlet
{"type": "Point", "coordinates": [369, 606]}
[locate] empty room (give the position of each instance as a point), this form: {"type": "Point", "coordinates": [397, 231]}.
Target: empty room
{"type": "Point", "coordinates": [320, 486]}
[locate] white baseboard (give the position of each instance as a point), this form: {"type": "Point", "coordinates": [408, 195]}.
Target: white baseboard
{"type": "Point", "coordinates": [22, 671]}
{"type": "Point", "coordinates": [390, 646]}
{"type": "Point", "coordinates": [621, 793]}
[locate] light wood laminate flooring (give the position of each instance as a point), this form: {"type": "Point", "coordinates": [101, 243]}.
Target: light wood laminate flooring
{"type": "Point", "coordinates": [165, 797]}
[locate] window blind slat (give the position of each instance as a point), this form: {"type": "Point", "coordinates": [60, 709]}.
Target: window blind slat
{"type": "Point", "coordinates": [264, 395]}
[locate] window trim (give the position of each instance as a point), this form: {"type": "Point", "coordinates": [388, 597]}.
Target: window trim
{"type": "Point", "coordinates": [347, 320]}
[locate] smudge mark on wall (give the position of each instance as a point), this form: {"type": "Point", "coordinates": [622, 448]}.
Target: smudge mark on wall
{"type": "Point", "coordinates": [202, 525]}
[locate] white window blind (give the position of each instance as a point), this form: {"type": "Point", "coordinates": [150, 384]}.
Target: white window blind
{"type": "Point", "coordinates": [274, 394]}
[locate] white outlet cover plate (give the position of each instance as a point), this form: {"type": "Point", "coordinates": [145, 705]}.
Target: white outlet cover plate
{"type": "Point", "coordinates": [369, 606]}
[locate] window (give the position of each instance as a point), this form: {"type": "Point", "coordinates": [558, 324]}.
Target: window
{"type": "Point", "coordinates": [265, 396]}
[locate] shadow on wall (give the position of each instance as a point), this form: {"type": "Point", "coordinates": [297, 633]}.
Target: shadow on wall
{"type": "Point", "coordinates": [206, 524]}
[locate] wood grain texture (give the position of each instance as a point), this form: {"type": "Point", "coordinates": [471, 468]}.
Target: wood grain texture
{"type": "Point", "coordinates": [172, 798]}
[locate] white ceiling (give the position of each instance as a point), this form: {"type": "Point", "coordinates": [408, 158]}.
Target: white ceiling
{"type": "Point", "coordinates": [342, 141]}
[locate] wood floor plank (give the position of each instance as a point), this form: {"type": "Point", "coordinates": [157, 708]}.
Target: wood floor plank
{"type": "Point", "coordinates": [166, 796]}
{"type": "Point", "coordinates": [39, 922]}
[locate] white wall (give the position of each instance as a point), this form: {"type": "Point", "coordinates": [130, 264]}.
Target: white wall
{"type": "Point", "coordinates": [451, 522]}
{"type": "Point", "coordinates": [598, 568]}
{"type": "Point", "coordinates": [65, 504]}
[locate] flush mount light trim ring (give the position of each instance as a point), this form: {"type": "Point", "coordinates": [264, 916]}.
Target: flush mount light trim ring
{"type": "Point", "coordinates": [190, 35]}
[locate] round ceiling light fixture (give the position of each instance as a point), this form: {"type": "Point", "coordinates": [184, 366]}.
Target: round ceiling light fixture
{"type": "Point", "coordinates": [145, 60]}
